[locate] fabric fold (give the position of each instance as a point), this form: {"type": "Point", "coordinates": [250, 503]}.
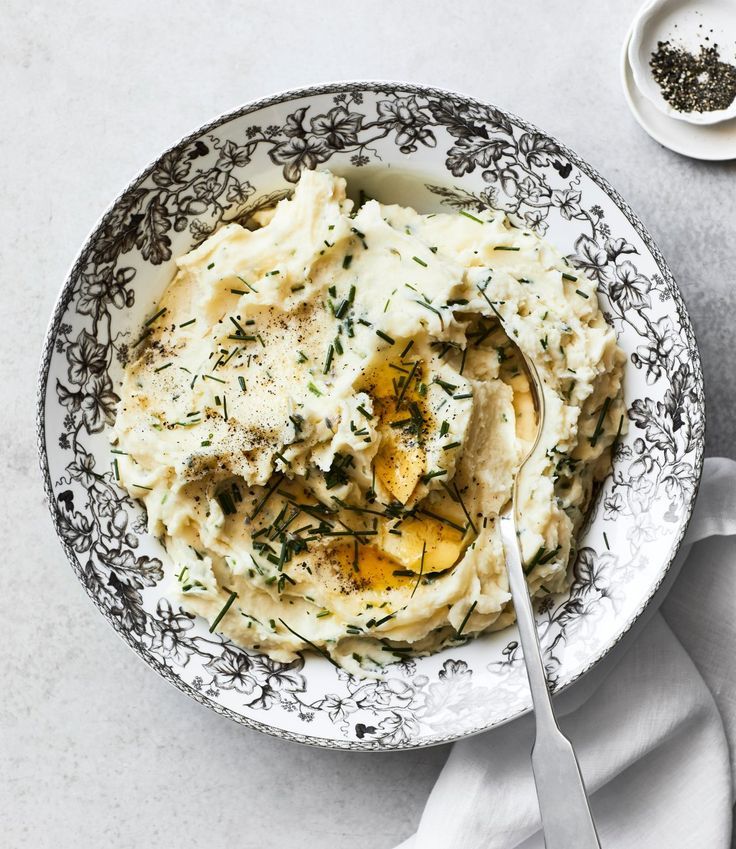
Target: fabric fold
{"type": "Point", "coordinates": [653, 725]}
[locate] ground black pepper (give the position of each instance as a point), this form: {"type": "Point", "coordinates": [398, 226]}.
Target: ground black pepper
{"type": "Point", "coordinates": [693, 83]}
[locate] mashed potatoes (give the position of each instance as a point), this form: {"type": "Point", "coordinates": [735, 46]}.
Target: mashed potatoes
{"type": "Point", "coordinates": [326, 418]}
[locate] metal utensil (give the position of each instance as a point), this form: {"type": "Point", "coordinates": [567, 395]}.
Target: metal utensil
{"type": "Point", "coordinates": [563, 802]}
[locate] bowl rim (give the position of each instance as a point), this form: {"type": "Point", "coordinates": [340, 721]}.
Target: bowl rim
{"type": "Point", "coordinates": [64, 297]}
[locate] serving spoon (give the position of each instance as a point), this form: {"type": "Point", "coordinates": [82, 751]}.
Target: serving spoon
{"type": "Point", "coordinates": [563, 802]}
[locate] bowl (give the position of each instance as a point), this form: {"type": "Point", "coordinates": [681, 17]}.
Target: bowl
{"type": "Point", "coordinates": [434, 150]}
{"type": "Point", "coordinates": [688, 24]}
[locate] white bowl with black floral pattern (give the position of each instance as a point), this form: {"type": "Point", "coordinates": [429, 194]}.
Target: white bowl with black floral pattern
{"type": "Point", "coordinates": [433, 150]}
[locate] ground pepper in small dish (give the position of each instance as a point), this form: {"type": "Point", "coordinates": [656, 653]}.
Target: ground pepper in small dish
{"type": "Point", "coordinates": [693, 83]}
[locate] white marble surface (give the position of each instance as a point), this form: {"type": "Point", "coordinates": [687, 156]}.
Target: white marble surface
{"type": "Point", "coordinates": [96, 749]}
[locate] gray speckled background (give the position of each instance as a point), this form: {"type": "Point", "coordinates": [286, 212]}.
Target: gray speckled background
{"type": "Point", "coordinates": [97, 750]}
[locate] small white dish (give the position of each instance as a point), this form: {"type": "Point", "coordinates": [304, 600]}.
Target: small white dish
{"type": "Point", "coordinates": [686, 24]}
{"type": "Point", "coordinates": [714, 142]}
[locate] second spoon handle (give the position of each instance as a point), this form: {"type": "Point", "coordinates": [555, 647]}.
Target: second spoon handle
{"type": "Point", "coordinates": [563, 802]}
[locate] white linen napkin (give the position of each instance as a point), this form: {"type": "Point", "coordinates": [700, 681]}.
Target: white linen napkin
{"type": "Point", "coordinates": [653, 725]}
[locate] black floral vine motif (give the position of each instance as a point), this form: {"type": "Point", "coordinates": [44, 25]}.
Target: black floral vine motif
{"type": "Point", "coordinates": [672, 427]}
{"type": "Point", "coordinates": [200, 186]}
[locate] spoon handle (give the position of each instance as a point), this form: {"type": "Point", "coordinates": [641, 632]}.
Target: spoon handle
{"type": "Point", "coordinates": [563, 802]}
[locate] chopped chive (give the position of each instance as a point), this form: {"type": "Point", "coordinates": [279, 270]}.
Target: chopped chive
{"type": "Point", "coordinates": [252, 288]}
{"type": "Point", "coordinates": [535, 560]}
{"type": "Point", "coordinates": [443, 519]}
{"type": "Point", "coordinates": [238, 327]}
{"type": "Point", "coordinates": [225, 500]}
{"type": "Point", "coordinates": [566, 276]}
{"type": "Point", "coordinates": [451, 445]}
{"type": "Point", "coordinates": [269, 492]}
{"type": "Point", "coordinates": [548, 556]}
{"type": "Point", "coordinates": [384, 620]}
{"type": "Point", "coordinates": [187, 323]}
{"type": "Point", "coordinates": [224, 406]}
{"type": "Point", "coordinates": [465, 620]}
{"type": "Point", "coordinates": [164, 366]}
{"type": "Point", "coordinates": [408, 380]}
{"type": "Point", "coordinates": [505, 248]}
{"type": "Point", "coordinates": [431, 309]}
{"type": "Point", "coordinates": [421, 568]}
{"type": "Point", "coordinates": [582, 294]}
{"type": "Point", "coordinates": [118, 451]}
{"type": "Point", "coordinates": [438, 473]}
{"type": "Point", "coordinates": [605, 539]}
{"type": "Point", "coordinates": [116, 468]}
{"type": "Point", "coordinates": [448, 387]}
{"type": "Point", "coordinates": [142, 337]}
{"type": "Point", "coordinates": [543, 343]}
{"type": "Point", "coordinates": [462, 396]}
{"type": "Point", "coordinates": [238, 292]}
{"type": "Point", "coordinates": [385, 337]}
{"type": "Point", "coordinates": [313, 389]}
{"type": "Point", "coordinates": [212, 377]}
{"type": "Point", "coordinates": [342, 308]}
{"type": "Point", "coordinates": [309, 643]}
{"type": "Point", "coordinates": [362, 410]}
{"type": "Point", "coordinates": [434, 249]}
{"type": "Point", "coordinates": [338, 345]}
{"type": "Point", "coordinates": [471, 217]}
{"type": "Point", "coordinates": [140, 486]}
{"type": "Point", "coordinates": [228, 605]}
{"type": "Point", "coordinates": [599, 425]}
{"type": "Point", "coordinates": [210, 266]}
{"type": "Point", "coordinates": [282, 458]}
{"type": "Point", "coordinates": [482, 290]}
{"type": "Point", "coordinates": [301, 358]}
{"type": "Point", "coordinates": [323, 613]}
{"type": "Point", "coordinates": [406, 350]}
{"type": "Point", "coordinates": [297, 288]}
{"type": "Point", "coordinates": [457, 497]}
{"type": "Point", "coordinates": [328, 359]}
{"type": "Point", "coordinates": [420, 261]}
{"type": "Point", "coordinates": [154, 317]}
{"type": "Point", "coordinates": [347, 259]}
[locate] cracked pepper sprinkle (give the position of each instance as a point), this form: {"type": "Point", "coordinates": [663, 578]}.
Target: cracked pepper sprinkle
{"type": "Point", "coordinates": [689, 83]}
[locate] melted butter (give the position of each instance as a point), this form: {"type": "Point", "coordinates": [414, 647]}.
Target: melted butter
{"type": "Point", "coordinates": [375, 569]}
{"type": "Point", "coordinates": [401, 458]}
{"type": "Point", "coordinates": [442, 544]}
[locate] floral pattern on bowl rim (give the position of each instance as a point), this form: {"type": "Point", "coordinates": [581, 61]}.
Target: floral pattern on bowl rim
{"type": "Point", "coordinates": [433, 149]}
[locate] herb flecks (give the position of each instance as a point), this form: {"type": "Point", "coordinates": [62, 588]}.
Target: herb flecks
{"type": "Point", "coordinates": [226, 607]}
